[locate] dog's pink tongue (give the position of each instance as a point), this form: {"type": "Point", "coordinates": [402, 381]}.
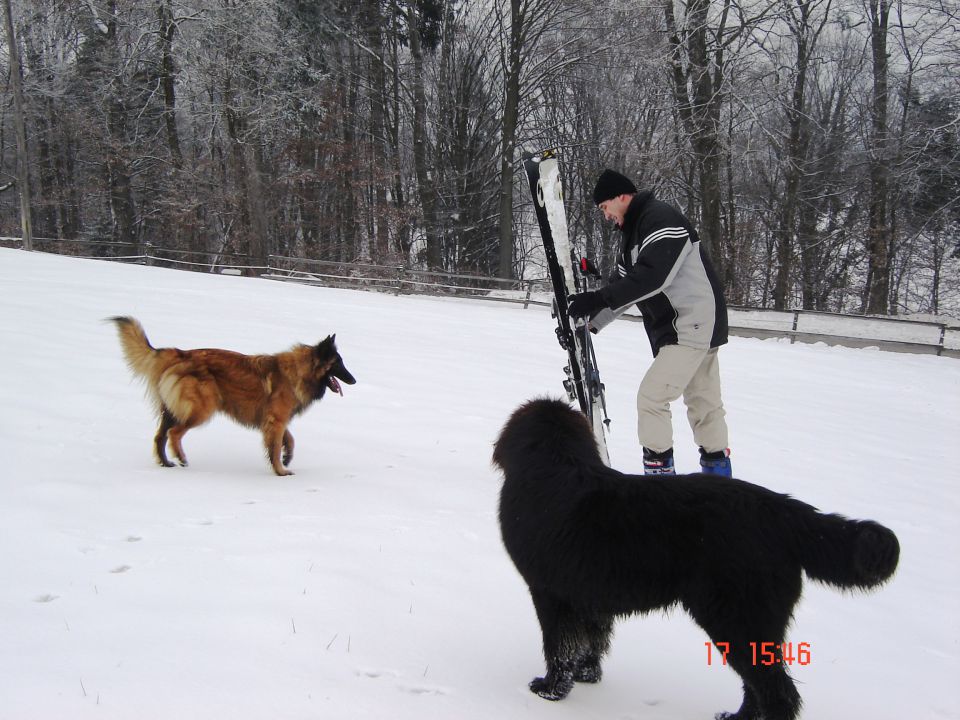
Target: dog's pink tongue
{"type": "Point", "coordinates": [335, 386]}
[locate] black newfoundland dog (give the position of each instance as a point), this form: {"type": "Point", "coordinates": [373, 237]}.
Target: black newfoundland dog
{"type": "Point", "coordinates": [594, 544]}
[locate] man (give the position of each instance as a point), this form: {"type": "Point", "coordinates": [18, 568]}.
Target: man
{"type": "Point", "coordinates": [664, 269]}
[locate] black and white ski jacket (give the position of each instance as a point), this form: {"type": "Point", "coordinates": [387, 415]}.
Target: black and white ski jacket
{"type": "Point", "coordinates": [663, 268]}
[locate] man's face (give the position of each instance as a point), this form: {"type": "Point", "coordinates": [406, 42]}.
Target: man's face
{"type": "Point", "coordinates": [614, 209]}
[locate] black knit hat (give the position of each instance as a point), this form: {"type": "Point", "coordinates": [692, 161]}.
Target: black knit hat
{"type": "Point", "coordinates": [610, 185]}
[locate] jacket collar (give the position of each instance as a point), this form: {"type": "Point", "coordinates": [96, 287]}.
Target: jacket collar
{"type": "Point", "coordinates": [634, 210]}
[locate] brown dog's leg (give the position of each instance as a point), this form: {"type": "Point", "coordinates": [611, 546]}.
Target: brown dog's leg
{"type": "Point", "coordinates": [274, 429]}
{"type": "Point", "coordinates": [287, 447]}
{"type": "Point", "coordinates": [176, 436]}
{"type": "Point", "coordinates": [178, 431]}
{"type": "Point", "coordinates": [195, 402]}
{"type": "Point", "coordinates": [167, 421]}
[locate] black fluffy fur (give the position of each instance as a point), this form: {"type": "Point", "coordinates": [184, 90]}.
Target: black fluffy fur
{"type": "Point", "coordinates": [594, 544]}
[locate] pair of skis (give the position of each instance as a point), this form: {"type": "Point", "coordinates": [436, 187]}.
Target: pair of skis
{"type": "Point", "coordinates": [568, 276]}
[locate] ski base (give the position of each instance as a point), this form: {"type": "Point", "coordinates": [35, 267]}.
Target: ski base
{"type": "Point", "coordinates": [582, 378]}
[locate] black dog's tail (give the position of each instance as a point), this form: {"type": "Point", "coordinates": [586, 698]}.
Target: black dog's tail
{"type": "Point", "coordinates": [846, 553]}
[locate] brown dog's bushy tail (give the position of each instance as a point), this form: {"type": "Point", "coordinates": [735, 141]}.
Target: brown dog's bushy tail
{"type": "Point", "coordinates": [847, 553]}
{"type": "Point", "coordinates": [137, 350]}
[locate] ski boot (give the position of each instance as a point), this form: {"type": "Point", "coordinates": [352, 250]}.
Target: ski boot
{"type": "Point", "coordinates": [658, 463]}
{"type": "Point", "coordinates": [716, 463]}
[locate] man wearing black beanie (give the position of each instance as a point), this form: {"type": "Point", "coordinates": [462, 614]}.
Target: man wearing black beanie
{"type": "Point", "coordinates": [663, 268]}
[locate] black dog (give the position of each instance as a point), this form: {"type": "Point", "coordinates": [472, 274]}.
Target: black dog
{"type": "Point", "coordinates": [594, 544]}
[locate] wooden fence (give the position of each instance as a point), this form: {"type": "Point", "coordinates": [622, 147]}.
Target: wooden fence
{"type": "Point", "coordinates": [885, 333]}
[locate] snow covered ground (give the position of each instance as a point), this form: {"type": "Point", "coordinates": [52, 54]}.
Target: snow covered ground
{"type": "Point", "coordinates": [373, 584]}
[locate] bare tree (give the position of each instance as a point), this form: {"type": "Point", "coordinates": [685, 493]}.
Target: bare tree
{"type": "Point", "coordinates": [388, 130]}
{"type": "Point", "coordinates": [524, 68]}
{"type": "Point", "coordinates": [877, 286]}
{"type": "Point", "coordinates": [166, 30]}
{"type": "Point", "coordinates": [699, 56]}
{"type": "Point", "coordinates": [23, 157]}
{"type": "Point", "coordinates": [806, 20]}
{"type": "Point", "coordinates": [421, 152]}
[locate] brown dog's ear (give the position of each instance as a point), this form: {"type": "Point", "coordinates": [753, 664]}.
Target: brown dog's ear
{"type": "Point", "coordinates": [325, 348]}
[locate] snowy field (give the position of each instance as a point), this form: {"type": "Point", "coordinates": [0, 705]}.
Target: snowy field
{"type": "Point", "coordinates": [373, 584]}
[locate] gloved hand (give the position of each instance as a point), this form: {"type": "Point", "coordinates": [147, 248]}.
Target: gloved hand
{"type": "Point", "coordinates": [586, 304]}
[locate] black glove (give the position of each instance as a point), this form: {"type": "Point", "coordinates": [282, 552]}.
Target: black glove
{"type": "Point", "coordinates": [586, 304]}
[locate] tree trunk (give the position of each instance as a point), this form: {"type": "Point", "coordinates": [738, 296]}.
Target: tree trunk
{"type": "Point", "coordinates": [167, 81]}
{"type": "Point", "coordinates": [403, 229]}
{"type": "Point", "coordinates": [877, 290]}
{"type": "Point", "coordinates": [347, 245]}
{"type": "Point", "coordinates": [379, 170]}
{"type": "Point", "coordinates": [123, 214]}
{"type": "Point", "coordinates": [424, 173]}
{"type": "Point", "coordinates": [247, 171]}
{"type": "Point", "coordinates": [509, 139]}
{"type": "Point", "coordinates": [794, 154]}
{"type": "Point", "coordinates": [699, 110]}
{"type": "Point", "coordinates": [23, 159]}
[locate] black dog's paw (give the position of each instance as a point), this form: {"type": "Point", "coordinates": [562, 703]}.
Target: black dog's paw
{"type": "Point", "coordinates": [552, 688]}
{"type": "Point", "coordinates": [739, 715]}
{"type": "Point", "coordinates": [588, 671]}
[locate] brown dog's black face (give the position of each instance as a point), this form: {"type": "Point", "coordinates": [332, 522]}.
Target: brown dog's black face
{"type": "Point", "coordinates": [332, 368]}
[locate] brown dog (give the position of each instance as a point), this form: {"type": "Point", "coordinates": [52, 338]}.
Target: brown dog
{"type": "Point", "coordinates": [262, 391]}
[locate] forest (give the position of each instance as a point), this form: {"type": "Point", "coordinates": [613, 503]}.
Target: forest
{"type": "Point", "coordinates": [815, 144]}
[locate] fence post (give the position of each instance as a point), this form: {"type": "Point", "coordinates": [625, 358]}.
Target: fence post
{"type": "Point", "coordinates": [148, 253]}
{"type": "Point", "coordinates": [526, 299]}
{"type": "Point", "coordinates": [400, 273]}
{"type": "Point", "coordinates": [796, 323]}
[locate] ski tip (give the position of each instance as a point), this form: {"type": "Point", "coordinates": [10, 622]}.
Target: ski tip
{"type": "Point", "coordinates": [527, 156]}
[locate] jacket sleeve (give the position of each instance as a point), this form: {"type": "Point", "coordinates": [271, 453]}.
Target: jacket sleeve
{"type": "Point", "coordinates": [656, 260]}
{"type": "Point", "coordinates": [603, 318]}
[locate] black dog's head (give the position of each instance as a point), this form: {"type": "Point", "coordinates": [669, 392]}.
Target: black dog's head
{"type": "Point", "coordinates": [542, 432]}
{"type": "Point", "coordinates": [330, 367]}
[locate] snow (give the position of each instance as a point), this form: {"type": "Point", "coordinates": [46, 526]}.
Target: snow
{"type": "Point", "coordinates": [373, 583]}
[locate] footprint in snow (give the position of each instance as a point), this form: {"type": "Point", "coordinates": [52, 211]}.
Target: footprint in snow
{"type": "Point", "coordinates": [120, 569]}
{"type": "Point", "coordinates": [45, 598]}
{"type": "Point", "coordinates": [374, 674]}
{"type": "Point", "coordinates": [422, 690]}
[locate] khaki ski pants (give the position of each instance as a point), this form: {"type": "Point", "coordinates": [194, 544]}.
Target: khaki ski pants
{"type": "Point", "coordinates": [695, 374]}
